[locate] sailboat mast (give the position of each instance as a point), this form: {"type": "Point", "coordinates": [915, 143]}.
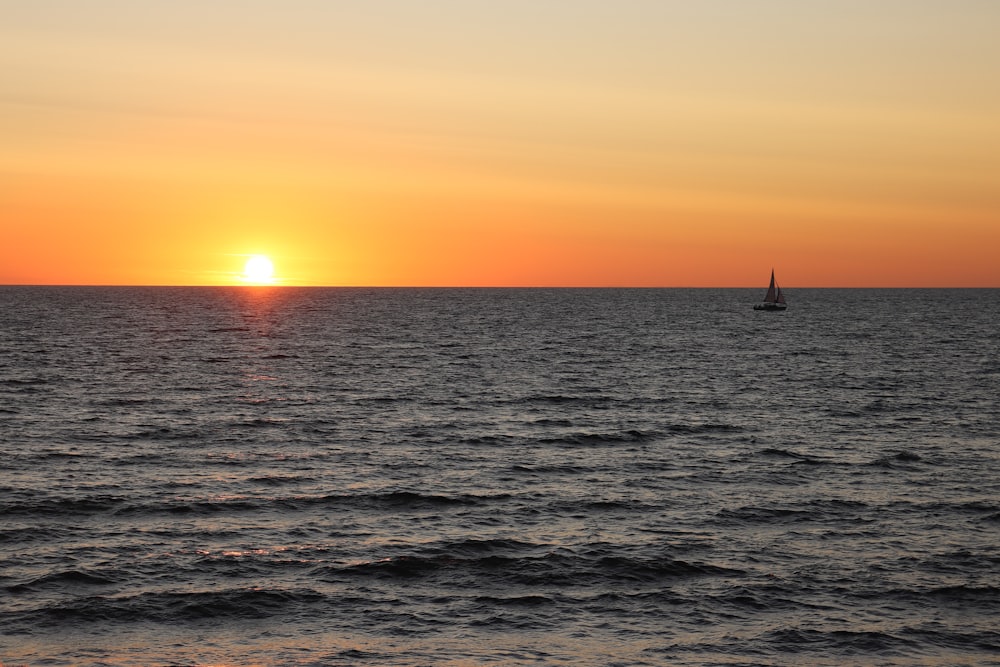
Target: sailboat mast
{"type": "Point", "coordinates": [770, 296]}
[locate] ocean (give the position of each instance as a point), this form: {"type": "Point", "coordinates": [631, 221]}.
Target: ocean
{"type": "Point", "coordinates": [459, 477]}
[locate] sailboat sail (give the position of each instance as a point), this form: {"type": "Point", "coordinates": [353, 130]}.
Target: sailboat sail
{"type": "Point", "coordinates": [774, 299]}
{"type": "Point", "coordinates": [770, 297]}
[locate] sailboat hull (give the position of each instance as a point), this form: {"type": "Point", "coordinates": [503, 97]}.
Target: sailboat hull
{"type": "Point", "coordinates": [770, 306]}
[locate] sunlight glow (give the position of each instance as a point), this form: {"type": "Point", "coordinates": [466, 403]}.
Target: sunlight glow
{"type": "Point", "coordinates": [674, 144]}
{"type": "Point", "coordinates": [258, 270]}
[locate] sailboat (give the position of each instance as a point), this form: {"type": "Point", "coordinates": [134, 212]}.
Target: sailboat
{"type": "Point", "coordinates": [774, 299]}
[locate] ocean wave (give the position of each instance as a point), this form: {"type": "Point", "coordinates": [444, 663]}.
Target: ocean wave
{"type": "Point", "coordinates": [125, 506]}
{"type": "Point", "coordinates": [520, 564]}
{"type": "Point", "coordinates": [64, 506]}
{"type": "Point", "coordinates": [401, 500]}
{"type": "Point", "coordinates": [782, 453]}
{"type": "Point", "coordinates": [126, 402]}
{"type": "Point", "coordinates": [840, 642]}
{"type": "Point", "coordinates": [280, 480]}
{"type": "Point", "coordinates": [26, 382]}
{"type": "Point", "coordinates": [983, 641]}
{"type": "Point", "coordinates": [60, 581]}
{"type": "Point", "coordinates": [586, 400]}
{"type": "Point", "coordinates": [549, 469]}
{"type": "Point", "coordinates": [971, 597]}
{"type": "Point", "coordinates": [591, 439]}
{"type": "Point", "coordinates": [34, 534]}
{"type": "Point", "coordinates": [818, 511]}
{"type": "Point", "coordinates": [795, 458]}
{"type": "Point", "coordinates": [171, 607]}
{"type": "Point", "coordinates": [769, 598]}
{"type": "Point", "coordinates": [901, 459]}
{"type": "Point", "coordinates": [974, 508]}
{"type": "Point", "coordinates": [963, 562]}
{"type": "Point", "coordinates": [710, 427]}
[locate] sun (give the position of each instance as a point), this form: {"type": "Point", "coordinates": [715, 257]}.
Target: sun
{"type": "Point", "coordinates": [258, 270]}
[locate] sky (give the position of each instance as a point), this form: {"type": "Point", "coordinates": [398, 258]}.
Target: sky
{"type": "Point", "coordinates": [845, 143]}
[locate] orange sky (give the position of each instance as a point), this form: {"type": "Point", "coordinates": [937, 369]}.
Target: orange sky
{"type": "Point", "coordinates": [464, 142]}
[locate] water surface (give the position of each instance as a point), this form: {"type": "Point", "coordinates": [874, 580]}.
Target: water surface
{"type": "Point", "coordinates": [498, 477]}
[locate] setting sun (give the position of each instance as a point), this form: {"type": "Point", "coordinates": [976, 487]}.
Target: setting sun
{"type": "Point", "coordinates": [258, 269]}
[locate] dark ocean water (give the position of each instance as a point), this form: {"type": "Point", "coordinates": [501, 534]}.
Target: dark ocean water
{"type": "Point", "coordinates": [498, 477]}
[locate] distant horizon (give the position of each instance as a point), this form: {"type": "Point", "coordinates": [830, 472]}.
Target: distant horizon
{"type": "Point", "coordinates": [511, 287]}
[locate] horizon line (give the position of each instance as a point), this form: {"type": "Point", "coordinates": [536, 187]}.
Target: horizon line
{"type": "Point", "coordinates": [511, 287]}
